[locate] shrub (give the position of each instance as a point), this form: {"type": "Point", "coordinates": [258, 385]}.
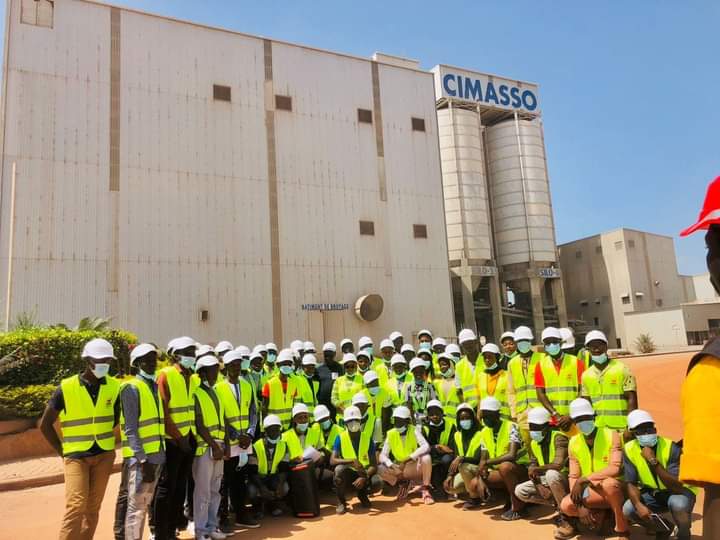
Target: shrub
{"type": "Point", "coordinates": [645, 343]}
{"type": "Point", "coordinates": [24, 401]}
{"type": "Point", "coordinates": [39, 356]}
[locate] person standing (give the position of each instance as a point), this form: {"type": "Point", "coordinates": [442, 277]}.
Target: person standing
{"type": "Point", "coordinates": [492, 380]}
{"type": "Point", "coordinates": [397, 339]}
{"type": "Point", "coordinates": [509, 349]}
{"type": "Point", "coordinates": [346, 386]}
{"type": "Point", "coordinates": [307, 382]}
{"type": "Point", "coordinates": [280, 392]}
{"type": "Point", "coordinates": [89, 409]}
{"type": "Point", "coordinates": [418, 393]}
{"type": "Point", "coordinates": [328, 370]}
{"type": "Point", "coordinates": [447, 393]}
{"type": "Point", "coordinates": [465, 377]}
{"type": "Point", "coordinates": [522, 395]}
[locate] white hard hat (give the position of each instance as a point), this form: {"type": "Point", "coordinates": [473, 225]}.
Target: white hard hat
{"type": "Point", "coordinates": [416, 363]}
{"type": "Point", "coordinates": [452, 349]}
{"type": "Point", "coordinates": [425, 332]}
{"type": "Point", "coordinates": [140, 351]}
{"type": "Point", "coordinates": [594, 335]}
{"type": "Point", "coordinates": [568, 338]}
{"type": "Point", "coordinates": [551, 332]}
{"type": "Point", "coordinates": [447, 356]}
{"type": "Point", "coordinates": [231, 356]}
{"type": "Point", "coordinates": [370, 376]}
{"type": "Point", "coordinates": [490, 404]}
{"type": "Point", "coordinates": [255, 355]}
{"type": "Point", "coordinates": [296, 344]}
{"type": "Point", "coordinates": [242, 349]}
{"type": "Point", "coordinates": [506, 335]}
{"type": "Point", "coordinates": [202, 350]}
{"type": "Point", "coordinates": [465, 406]}
{"type": "Point", "coordinates": [407, 347]}
{"type": "Point", "coordinates": [581, 407]}
{"type": "Point", "coordinates": [365, 353]}
{"type": "Point", "coordinates": [223, 347]}
{"type": "Point", "coordinates": [491, 348]}
{"type": "Point", "coordinates": [439, 341]}
{"type": "Point", "coordinates": [364, 342]}
{"type": "Point", "coordinates": [397, 359]}
{"type": "Point", "coordinates": [639, 417]}
{"type": "Point", "coordinates": [401, 412]}
{"type": "Point", "coordinates": [352, 413]}
{"type": "Point", "coordinates": [98, 348]}
{"type": "Point", "coordinates": [309, 346]}
{"type": "Point", "coordinates": [466, 335]}
{"type": "Point", "coordinates": [309, 360]}
{"type": "Point", "coordinates": [208, 360]}
{"type": "Point", "coordinates": [395, 335]}
{"type": "Point", "coordinates": [523, 333]}
{"type": "Point", "coordinates": [259, 349]}
{"type": "Point", "coordinates": [386, 343]}
{"type": "Point", "coordinates": [329, 346]}
{"type": "Point", "coordinates": [299, 408]}
{"type": "Point", "coordinates": [435, 403]}
{"type": "Point", "coordinates": [345, 341]}
{"type": "Point", "coordinates": [285, 355]}
{"type": "Point", "coordinates": [360, 397]}
{"type": "Point", "coordinates": [538, 415]}
{"type": "Point", "coordinates": [271, 347]}
{"type": "Point", "coordinates": [321, 411]}
{"type": "Point", "coordinates": [348, 357]}
{"type": "Point", "coordinates": [180, 343]}
{"type": "Point", "coordinates": [271, 420]}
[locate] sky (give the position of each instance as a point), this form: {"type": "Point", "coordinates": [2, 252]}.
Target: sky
{"type": "Point", "coordinates": [629, 91]}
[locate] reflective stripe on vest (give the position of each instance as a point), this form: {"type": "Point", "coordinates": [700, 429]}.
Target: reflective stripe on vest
{"type": "Point", "coordinates": [536, 449]}
{"type": "Point", "coordinates": [561, 388]}
{"type": "Point", "coordinates": [605, 390]}
{"type": "Point", "coordinates": [261, 456]}
{"type": "Point", "coordinates": [347, 450]}
{"type": "Point", "coordinates": [602, 446]}
{"type": "Point", "coordinates": [238, 415]}
{"type": "Point", "coordinates": [151, 423]}
{"type": "Point", "coordinates": [305, 392]}
{"type": "Point", "coordinates": [181, 406]}
{"type": "Point", "coordinates": [449, 399]}
{"type": "Point", "coordinates": [466, 373]}
{"type": "Point", "coordinates": [281, 403]}
{"type": "Point", "coordinates": [633, 451]}
{"type": "Point", "coordinates": [524, 383]}
{"type": "Point", "coordinates": [83, 423]}
{"type": "Point", "coordinates": [500, 391]}
{"type": "Point", "coordinates": [344, 389]}
{"type": "Point", "coordinates": [214, 419]}
{"type": "Point", "coordinates": [475, 444]}
{"type": "Point", "coordinates": [500, 445]}
{"type": "Point", "coordinates": [400, 449]}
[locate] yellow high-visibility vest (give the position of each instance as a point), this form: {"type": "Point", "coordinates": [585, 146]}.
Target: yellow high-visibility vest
{"type": "Point", "coordinates": [466, 374]}
{"type": "Point", "coordinates": [236, 413]}
{"type": "Point", "coordinates": [151, 423]}
{"type": "Point", "coordinates": [213, 418]}
{"type": "Point", "coordinates": [347, 451]}
{"type": "Point", "coordinates": [181, 406]}
{"type": "Point", "coordinates": [449, 399]}
{"type": "Point", "coordinates": [500, 392]}
{"type": "Point", "coordinates": [499, 445]}
{"type": "Point", "coordinates": [524, 382]}
{"type": "Point", "coordinates": [564, 387]}
{"type": "Point", "coordinates": [473, 447]}
{"type": "Point", "coordinates": [633, 451]}
{"type": "Point", "coordinates": [401, 450]}
{"type": "Point", "coordinates": [281, 402]}
{"type": "Point", "coordinates": [605, 390]}
{"type": "Point", "coordinates": [536, 449]}
{"type": "Point", "coordinates": [600, 457]}
{"type": "Point", "coordinates": [295, 448]}
{"type": "Point", "coordinates": [262, 460]}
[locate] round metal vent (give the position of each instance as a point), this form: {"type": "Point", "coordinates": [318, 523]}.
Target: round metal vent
{"type": "Point", "coordinates": [369, 307]}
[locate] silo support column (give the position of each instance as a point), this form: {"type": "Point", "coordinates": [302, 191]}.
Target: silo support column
{"type": "Point", "coordinates": [496, 306]}
{"type": "Point", "coordinates": [537, 304]}
{"type": "Point", "coordinates": [468, 301]}
{"type": "Point", "coordinates": [559, 296]}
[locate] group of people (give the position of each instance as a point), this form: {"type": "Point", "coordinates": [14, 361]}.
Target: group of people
{"type": "Point", "coordinates": [209, 439]}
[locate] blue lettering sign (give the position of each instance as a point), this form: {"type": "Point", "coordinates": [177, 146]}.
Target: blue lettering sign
{"type": "Point", "coordinates": [446, 85]}
{"type": "Point", "coordinates": [504, 96]}
{"type": "Point", "coordinates": [473, 90]}
{"type": "Point", "coordinates": [529, 100]}
{"type": "Point", "coordinates": [490, 94]}
{"type": "Point", "coordinates": [515, 94]}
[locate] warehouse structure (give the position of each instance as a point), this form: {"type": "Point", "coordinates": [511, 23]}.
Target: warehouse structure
{"type": "Point", "coordinates": [185, 179]}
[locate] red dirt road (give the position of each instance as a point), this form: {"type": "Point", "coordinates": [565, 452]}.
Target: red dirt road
{"type": "Point", "coordinates": [36, 513]}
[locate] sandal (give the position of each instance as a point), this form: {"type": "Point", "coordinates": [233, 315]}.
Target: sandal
{"type": "Point", "coordinates": [403, 489]}
{"type": "Point", "coordinates": [427, 497]}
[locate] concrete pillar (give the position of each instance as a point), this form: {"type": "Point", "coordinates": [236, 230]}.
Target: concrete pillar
{"type": "Point", "coordinates": [466, 281]}
{"type": "Point", "coordinates": [537, 304]}
{"type": "Point", "coordinates": [496, 306]}
{"type": "Point", "coordinates": [558, 293]}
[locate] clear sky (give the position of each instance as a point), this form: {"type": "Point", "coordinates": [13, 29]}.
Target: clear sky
{"type": "Point", "coordinates": [630, 90]}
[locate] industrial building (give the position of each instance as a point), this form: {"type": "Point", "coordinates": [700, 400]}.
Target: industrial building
{"type": "Point", "coordinates": [626, 283]}
{"type": "Point", "coordinates": [501, 233]}
{"type": "Point", "coordinates": [191, 180]}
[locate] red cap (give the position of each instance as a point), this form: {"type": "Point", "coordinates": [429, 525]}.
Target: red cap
{"type": "Point", "coordinates": [710, 213]}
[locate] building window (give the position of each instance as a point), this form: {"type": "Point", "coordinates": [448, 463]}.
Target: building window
{"type": "Point", "coordinates": [658, 302]}
{"type": "Point", "coordinates": [598, 250]}
{"type": "Point", "coordinates": [597, 301]}
{"type": "Point", "coordinates": [365, 116]}
{"type": "Point", "coordinates": [418, 124]}
{"type": "Point", "coordinates": [697, 338]}
{"type": "Point", "coordinates": [283, 103]}
{"type": "Point", "coordinates": [367, 228]}
{"type": "Point", "coordinates": [221, 93]}
{"type": "Point", "coordinates": [578, 254]}
{"type": "Point", "coordinates": [625, 299]}
{"type": "Point", "coordinates": [618, 342]}
{"type": "Point", "coordinates": [419, 231]}
{"type": "Point", "coordinates": [631, 243]}
{"type": "Point", "coordinates": [584, 303]}
{"type": "Point", "coordinates": [618, 245]}
{"type": "Point", "coordinates": [596, 322]}
{"type": "Point", "coordinates": [37, 12]}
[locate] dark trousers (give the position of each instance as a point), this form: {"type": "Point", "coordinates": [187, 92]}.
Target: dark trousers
{"type": "Point", "coordinates": [344, 478]}
{"type": "Point", "coordinates": [170, 494]}
{"type": "Point", "coordinates": [441, 465]}
{"type": "Point", "coordinates": [233, 490]}
{"type": "Point", "coordinates": [121, 506]}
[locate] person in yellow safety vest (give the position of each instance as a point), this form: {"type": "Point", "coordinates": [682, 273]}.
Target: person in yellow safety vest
{"type": "Point", "coordinates": [251, 370]}
{"type": "Point", "coordinates": [298, 350]}
{"type": "Point", "coordinates": [270, 367]}
{"type": "Point", "coordinates": [354, 458]}
{"type": "Point", "coordinates": [557, 379]}
{"type": "Point", "coordinates": [405, 457]}
{"type": "Point", "coordinates": [465, 378]}
{"type": "Point", "coordinates": [176, 390]}
{"type": "Point", "coordinates": [426, 355]}
{"type": "Point", "coordinates": [325, 426]}
{"type": "Point", "coordinates": [213, 447]}
{"type": "Point", "coordinates": [398, 377]}
{"type": "Point", "coordinates": [241, 410]}
{"type": "Point", "coordinates": [142, 430]}
{"type": "Point", "coordinates": [380, 402]}
{"type": "Point", "coordinates": [439, 432]}
{"type": "Point", "coordinates": [382, 365]}
{"type": "Point", "coordinates": [408, 352]}
{"type": "Point", "coordinates": [651, 465]}
{"type": "Point", "coordinates": [366, 344]}
{"type": "Point", "coordinates": [268, 467]}
{"type": "Point", "coordinates": [221, 349]}
{"type": "Point", "coordinates": [398, 340]}
{"type": "Point", "coordinates": [89, 409]}
{"type": "Point", "coordinates": [308, 384]}
{"type": "Point", "coordinates": [424, 336]}
{"type": "Point", "coordinates": [503, 461]}
{"type": "Point", "coordinates": [281, 392]}
{"type": "Point", "coordinates": [346, 386]}
{"type": "Point", "coordinates": [521, 380]}
{"type": "Point", "coordinates": [368, 421]}
{"type": "Point", "coordinates": [492, 380]}
{"type": "Point", "coordinates": [466, 445]}
{"type": "Point", "coordinates": [419, 392]}
{"type": "Point", "coordinates": [303, 443]}
{"type": "Point", "coordinates": [347, 346]}
{"type": "Point", "coordinates": [509, 349]}
{"type": "Point", "coordinates": [203, 350]}
{"type": "Point", "coordinates": [594, 477]}
{"type": "Point", "coordinates": [608, 384]}
{"type": "Point", "coordinates": [447, 393]}
{"type": "Point", "coordinates": [438, 347]}
{"type": "Point", "coordinates": [548, 484]}
{"type": "Point", "coordinates": [364, 359]}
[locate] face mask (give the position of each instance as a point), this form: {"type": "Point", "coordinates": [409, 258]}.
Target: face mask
{"type": "Point", "coordinates": [188, 362]}
{"type": "Point", "coordinates": [369, 350]}
{"type": "Point", "coordinates": [491, 368]}
{"type": "Point", "coordinates": [363, 369]}
{"type": "Point", "coordinates": [465, 424]}
{"type": "Point", "coordinates": [435, 424]}
{"type": "Point", "coordinates": [491, 422]}
{"type": "Point", "coordinates": [353, 427]}
{"type": "Point", "coordinates": [419, 381]}
{"type": "Point", "coordinates": [350, 372]}
{"type": "Point", "coordinates": [273, 441]}
{"type": "Point", "coordinates": [448, 373]}
{"type": "Point", "coordinates": [286, 370]}
{"type": "Point", "coordinates": [600, 358]}
{"type": "Point", "coordinates": [148, 376]}
{"type": "Point", "coordinates": [553, 349]}
{"type": "Point", "coordinates": [537, 436]}
{"type": "Point", "coordinates": [374, 391]}
{"type": "Point", "coordinates": [647, 440]}
{"type": "Point", "coordinates": [401, 429]}
{"type": "Point", "coordinates": [586, 426]}
{"type": "Point", "coordinates": [242, 461]}
{"type": "Point", "coordinates": [100, 370]}
{"type": "Point", "coordinates": [326, 424]}
{"type": "Point", "coordinates": [524, 346]}
{"type": "Point", "coordinates": [271, 358]}
{"type": "Point", "coordinates": [302, 428]}
{"type": "Point", "coordinates": [244, 365]}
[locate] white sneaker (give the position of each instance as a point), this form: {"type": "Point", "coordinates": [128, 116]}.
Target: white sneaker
{"type": "Point", "coordinates": [217, 534]}
{"type": "Point", "coordinates": [190, 529]}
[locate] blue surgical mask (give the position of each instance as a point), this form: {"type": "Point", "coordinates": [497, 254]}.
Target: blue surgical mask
{"type": "Point", "coordinates": [537, 436]}
{"type": "Point", "coordinates": [401, 429]}
{"type": "Point", "coordinates": [369, 350]}
{"type": "Point", "coordinates": [435, 424]}
{"type": "Point", "coordinates": [100, 370]}
{"type": "Point", "coordinates": [553, 349]}
{"type": "Point", "coordinates": [374, 391]}
{"type": "Point", "coordinates": [449, 373]}
{"type": "Point", "coordinates": [286, 370]}
{"type": "Point", "coordinates": [524, 346]}
{"type": "Point", "coordinates": [271, 357]}
{"type": "Point", "coordinates": [586, 426]}
{"type": "Point", "coordinates": [354, 426]}
{"type": "Point", "coordinates": [649, 440]}
{"type": "Point", "coordinates": [326, 424]}
{"type": "Point", "coordinates": [242, 461]}
{"type": "Point", "coordinates": [146, 375]}
{"type": "Point", "coordinates": [188, 362]}
{"type": "Point", "coordinates": [244, 365]}
{"type": "Point", "coordinates": [491, 368]}
{"type": "Point", "coordinates": [302, 428]}
{"type": "Point", "coordinates": [600, 358]}
{"type": "Point", "coordinates": [273, 441]}
{"type": "Point", "coordinates": [465, 424]}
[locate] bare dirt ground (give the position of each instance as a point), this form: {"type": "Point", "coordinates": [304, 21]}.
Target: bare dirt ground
{"type": "Point", "coordinates": [36, 513]}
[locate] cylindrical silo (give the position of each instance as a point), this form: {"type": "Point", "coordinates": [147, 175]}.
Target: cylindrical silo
{"type": "Point", "coordinates": [520, 191]}
{"type": "Point", "coordinates": [464, 184]}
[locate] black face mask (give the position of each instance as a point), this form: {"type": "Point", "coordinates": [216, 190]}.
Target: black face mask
{"type": "Point", "coordinates": [491, 421]}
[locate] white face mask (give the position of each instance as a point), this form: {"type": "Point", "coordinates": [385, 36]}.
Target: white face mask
{"type": "Point", "coordinates": [148, 376]}
{"type": "Point", "coordinates": [100, 370]}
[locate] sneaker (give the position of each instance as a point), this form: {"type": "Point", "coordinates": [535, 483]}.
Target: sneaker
{"type": "Point", "coordinates": [190, 529]}
{"type": "Point", "coordinates": [565, 530]}
{"type": "Point", "coordinates": [227, 527]}
{"type": "Point", "coordinates": [217, 534]}
{"type": "Point", "coordinates": [472, 504]}
{"type": "Point", "coordinates": [511, 515]}
{"type": "Point", "coordinates": [340, 509]}
{"type": "Point", "coordinates": [246, 520]}
{"type": "Point", "coordinates": [364, 500]}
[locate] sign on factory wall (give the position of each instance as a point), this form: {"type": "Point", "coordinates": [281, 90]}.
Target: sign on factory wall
{"type": "Point", "coordinates": [489, 90]}
{"type": "Point", "coordinates": [325, 307]}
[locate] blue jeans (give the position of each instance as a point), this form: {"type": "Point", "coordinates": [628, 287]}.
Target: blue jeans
{"type": "Point", "coordinates": [208, 474]}
{"type": "Point", "coordinates": [680, 506]}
